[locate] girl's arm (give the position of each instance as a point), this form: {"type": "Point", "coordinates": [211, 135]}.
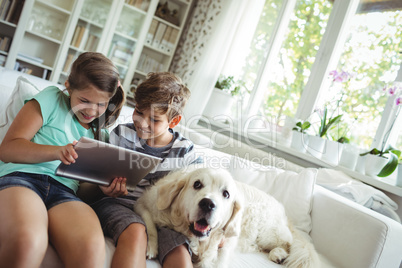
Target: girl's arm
{"type": "Point", "coordinates": [17, 146]}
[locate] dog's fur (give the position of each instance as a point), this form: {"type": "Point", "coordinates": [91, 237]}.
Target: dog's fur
{"type": "Point", "coordinates": [218, 214]}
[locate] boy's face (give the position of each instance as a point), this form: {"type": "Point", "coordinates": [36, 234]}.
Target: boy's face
{"type": "Point", "coordinates": [153, 126]}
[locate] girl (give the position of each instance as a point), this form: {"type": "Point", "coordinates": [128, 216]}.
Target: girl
{"type": "Point", "coordinates": [37, 206]}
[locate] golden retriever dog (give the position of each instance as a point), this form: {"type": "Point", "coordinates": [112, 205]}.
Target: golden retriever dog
{"type": "Point", "coordinates": [218, 215]}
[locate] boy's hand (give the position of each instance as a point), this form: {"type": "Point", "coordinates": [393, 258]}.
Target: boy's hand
{"type": "Point", "coordinates": [116, 188]}
{"type": "Point", "coordinates": [67, 153]}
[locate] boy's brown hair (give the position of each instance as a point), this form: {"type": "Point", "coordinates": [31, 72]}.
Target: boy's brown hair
{"type": "Point", "coordinates": [164, 92]}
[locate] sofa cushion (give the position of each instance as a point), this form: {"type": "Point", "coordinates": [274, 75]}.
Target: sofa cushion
{"type": "Point", "coordinates": [293, 190]}
{"type": "Point", "coordinates": [23, 90]}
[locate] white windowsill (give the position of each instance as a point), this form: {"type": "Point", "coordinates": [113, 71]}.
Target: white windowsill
{"type": "Point", "coordinates": [386, 184]}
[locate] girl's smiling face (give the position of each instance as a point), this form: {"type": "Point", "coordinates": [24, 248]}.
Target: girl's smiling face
{"type": "Point", "coordinates": [88, 104]}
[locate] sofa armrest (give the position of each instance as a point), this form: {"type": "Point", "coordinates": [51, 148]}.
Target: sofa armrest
{"type": "Point", "coordinates": [350, 235]}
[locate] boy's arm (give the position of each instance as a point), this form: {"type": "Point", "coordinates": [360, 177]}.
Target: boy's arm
{"type": "Point", "coordinates": [116, 188]}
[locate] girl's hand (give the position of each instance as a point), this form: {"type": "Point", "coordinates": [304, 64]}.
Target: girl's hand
{"type": "Point", "coordinates": [116, 188]}
{"type": "Point", "coordinates": [67, 153]}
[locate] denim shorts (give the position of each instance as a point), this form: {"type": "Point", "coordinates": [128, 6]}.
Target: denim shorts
{"type": "Point", "coordinates": [116, 214]}
{"type": "Point", "coordinates": [50, 191]}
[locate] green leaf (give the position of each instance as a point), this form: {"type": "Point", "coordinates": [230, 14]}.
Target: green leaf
{"type": "Point", "coordinates": [343, 140]}
{"type": "Point", "coordinates": [335, 120]}
{"type": "Point", "coordinates": [390, 167]}
{"type": "Point", "coordinates": [396, 152]}
{"type": "Point", "coordinates": [305, 125]}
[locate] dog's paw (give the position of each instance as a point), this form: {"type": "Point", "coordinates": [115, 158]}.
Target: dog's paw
{"type": "Point", "coordinates": [152, 249]}
{"type": "Point", "coordinates": [278, 255]}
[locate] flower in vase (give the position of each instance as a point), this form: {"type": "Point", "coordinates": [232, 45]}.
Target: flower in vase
{"type": "Point", "coordinates": [326, 121]}
{"type": "Point", "coordinates": [393, 153]}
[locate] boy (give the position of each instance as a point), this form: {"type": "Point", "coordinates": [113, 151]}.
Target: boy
{"type": "Point", "coordinates": [159, 101]}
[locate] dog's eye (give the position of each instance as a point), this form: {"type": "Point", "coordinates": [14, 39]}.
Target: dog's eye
{"type": "Point", "coordinates": [197, 185]}
{"type": "Point", "coordinates": [226, 194]}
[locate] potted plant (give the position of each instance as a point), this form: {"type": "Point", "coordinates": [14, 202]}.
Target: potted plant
{"type": "Point", "coordinates": [382, 162]}
{"type": "Point", "coordinates": [317, 143]}
{"type": "Point", "coordinates": [227, 84]}
{"type": "Point", "coordinates": [299, 136]}
{"type": "Point", "coordinates": [221, 100]}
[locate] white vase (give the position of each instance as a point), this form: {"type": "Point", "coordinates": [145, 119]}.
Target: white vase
{"type": "Point", "coordinates": [332, 152]}
{"type": "Point", "coordinates": [349, 156]}
{"type": "Point", "coordinates": [374, 164]}
{"type": "Point", "coordinates": [361, 164]}
{"type": "Point", "coordinates": [299, 141]}
{"type": "Point", "coordinates": [399, 176]}
{"type": "Point", "coordinates": [315, 146]}
{"type": "Point", "coordinates": [219, 104]}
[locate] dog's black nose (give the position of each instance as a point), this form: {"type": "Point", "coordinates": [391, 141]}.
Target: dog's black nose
{"type": "Point", "coordinates": [207, 205]}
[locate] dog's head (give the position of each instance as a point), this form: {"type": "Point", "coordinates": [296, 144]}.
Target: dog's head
{"type": "Point", "coordinates": [203, 199]}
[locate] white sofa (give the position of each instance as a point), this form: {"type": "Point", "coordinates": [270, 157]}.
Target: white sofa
{"type": "Point", "coordinates": [344, 233]}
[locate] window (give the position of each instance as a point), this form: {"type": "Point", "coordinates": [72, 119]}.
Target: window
{"type": "Point", "coordinates": [287, 65]}
{"type": "Point", "coordinates": [290, 69]}
{"type": "Point", "coordinates": [371, 55]}
{"type": "Point", "coordinates": [278, 75]}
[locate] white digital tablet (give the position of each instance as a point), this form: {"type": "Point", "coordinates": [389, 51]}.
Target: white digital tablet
{"type": "Point", "coordinates": [99, 162]}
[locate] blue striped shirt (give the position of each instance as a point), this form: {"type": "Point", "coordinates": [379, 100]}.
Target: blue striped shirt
{"type": "Point", "coordinates": [177, 154]}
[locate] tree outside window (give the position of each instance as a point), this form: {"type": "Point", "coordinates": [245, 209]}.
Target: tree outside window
{"type": "Point", "coordinates": [371, 53]}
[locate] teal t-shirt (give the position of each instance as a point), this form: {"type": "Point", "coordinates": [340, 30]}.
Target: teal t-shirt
{"type": "Point", "coordinates": [60, 127]}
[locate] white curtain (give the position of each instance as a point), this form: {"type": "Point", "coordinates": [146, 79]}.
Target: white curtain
{"type": "Point", "coordinates": [205, 46]}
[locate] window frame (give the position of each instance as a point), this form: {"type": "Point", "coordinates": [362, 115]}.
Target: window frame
{"type": "Point", "coordinates": [326, 59]}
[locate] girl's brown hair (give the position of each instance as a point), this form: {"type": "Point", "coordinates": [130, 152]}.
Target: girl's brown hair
{"type": "Point", "coordinates": [92, 68]}
{"type": "Point", "coordinates": [163, 91]}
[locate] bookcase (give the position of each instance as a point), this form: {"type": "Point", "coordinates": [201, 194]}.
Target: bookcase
{"type": "Point", "coordinates": [44, 37]}
{"type": "Point", "coordinates": [10, 12]}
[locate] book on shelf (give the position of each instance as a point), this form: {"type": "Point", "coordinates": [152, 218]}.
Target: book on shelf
{"type": "Point", "coordinates": [10, 10]}
{"type": "Point", "coordinates": [25, 70]}
{"type": "Point", "coordinates": [91, 43]}
{"type": "Point", "coordinates": [141, 4]}
{"type": "Point", "coordinates": [165, 39]}
{"type": "Point", "coordinates": [45, 74]}
{"type": "Point", "coordinates": [84, 38]}
{"type": "Point", "coordinates": [151, 32]}
{"type": "Point", "coordinates": [172, 40]}
{"type": "Point", "coordinates": [120, 52]}
{"type": "Point", "coordinates": [75, 36]}
{"type": "Point", "coordinates": [148, 64]}
{"type": "Point", "coordinates": [67, 64]}
{"type": "Point", "coordinates": [79, 37]}
{"type": "Point", "coordinates": [21, 68]}
{"type": "Point", "coordinates": [159, 34]}
{"type": "Point", "coordinates": [4, 7]}
{"type": "Point", "coordinates": [138, 3]}
{"type": "Point", "coordinates": [5, 42]}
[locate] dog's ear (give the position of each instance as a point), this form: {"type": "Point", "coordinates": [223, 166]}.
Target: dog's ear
{"type": "Point", "coordinates": [168, 189]}
{"type": "Point", "coordinates": [233, 226]}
